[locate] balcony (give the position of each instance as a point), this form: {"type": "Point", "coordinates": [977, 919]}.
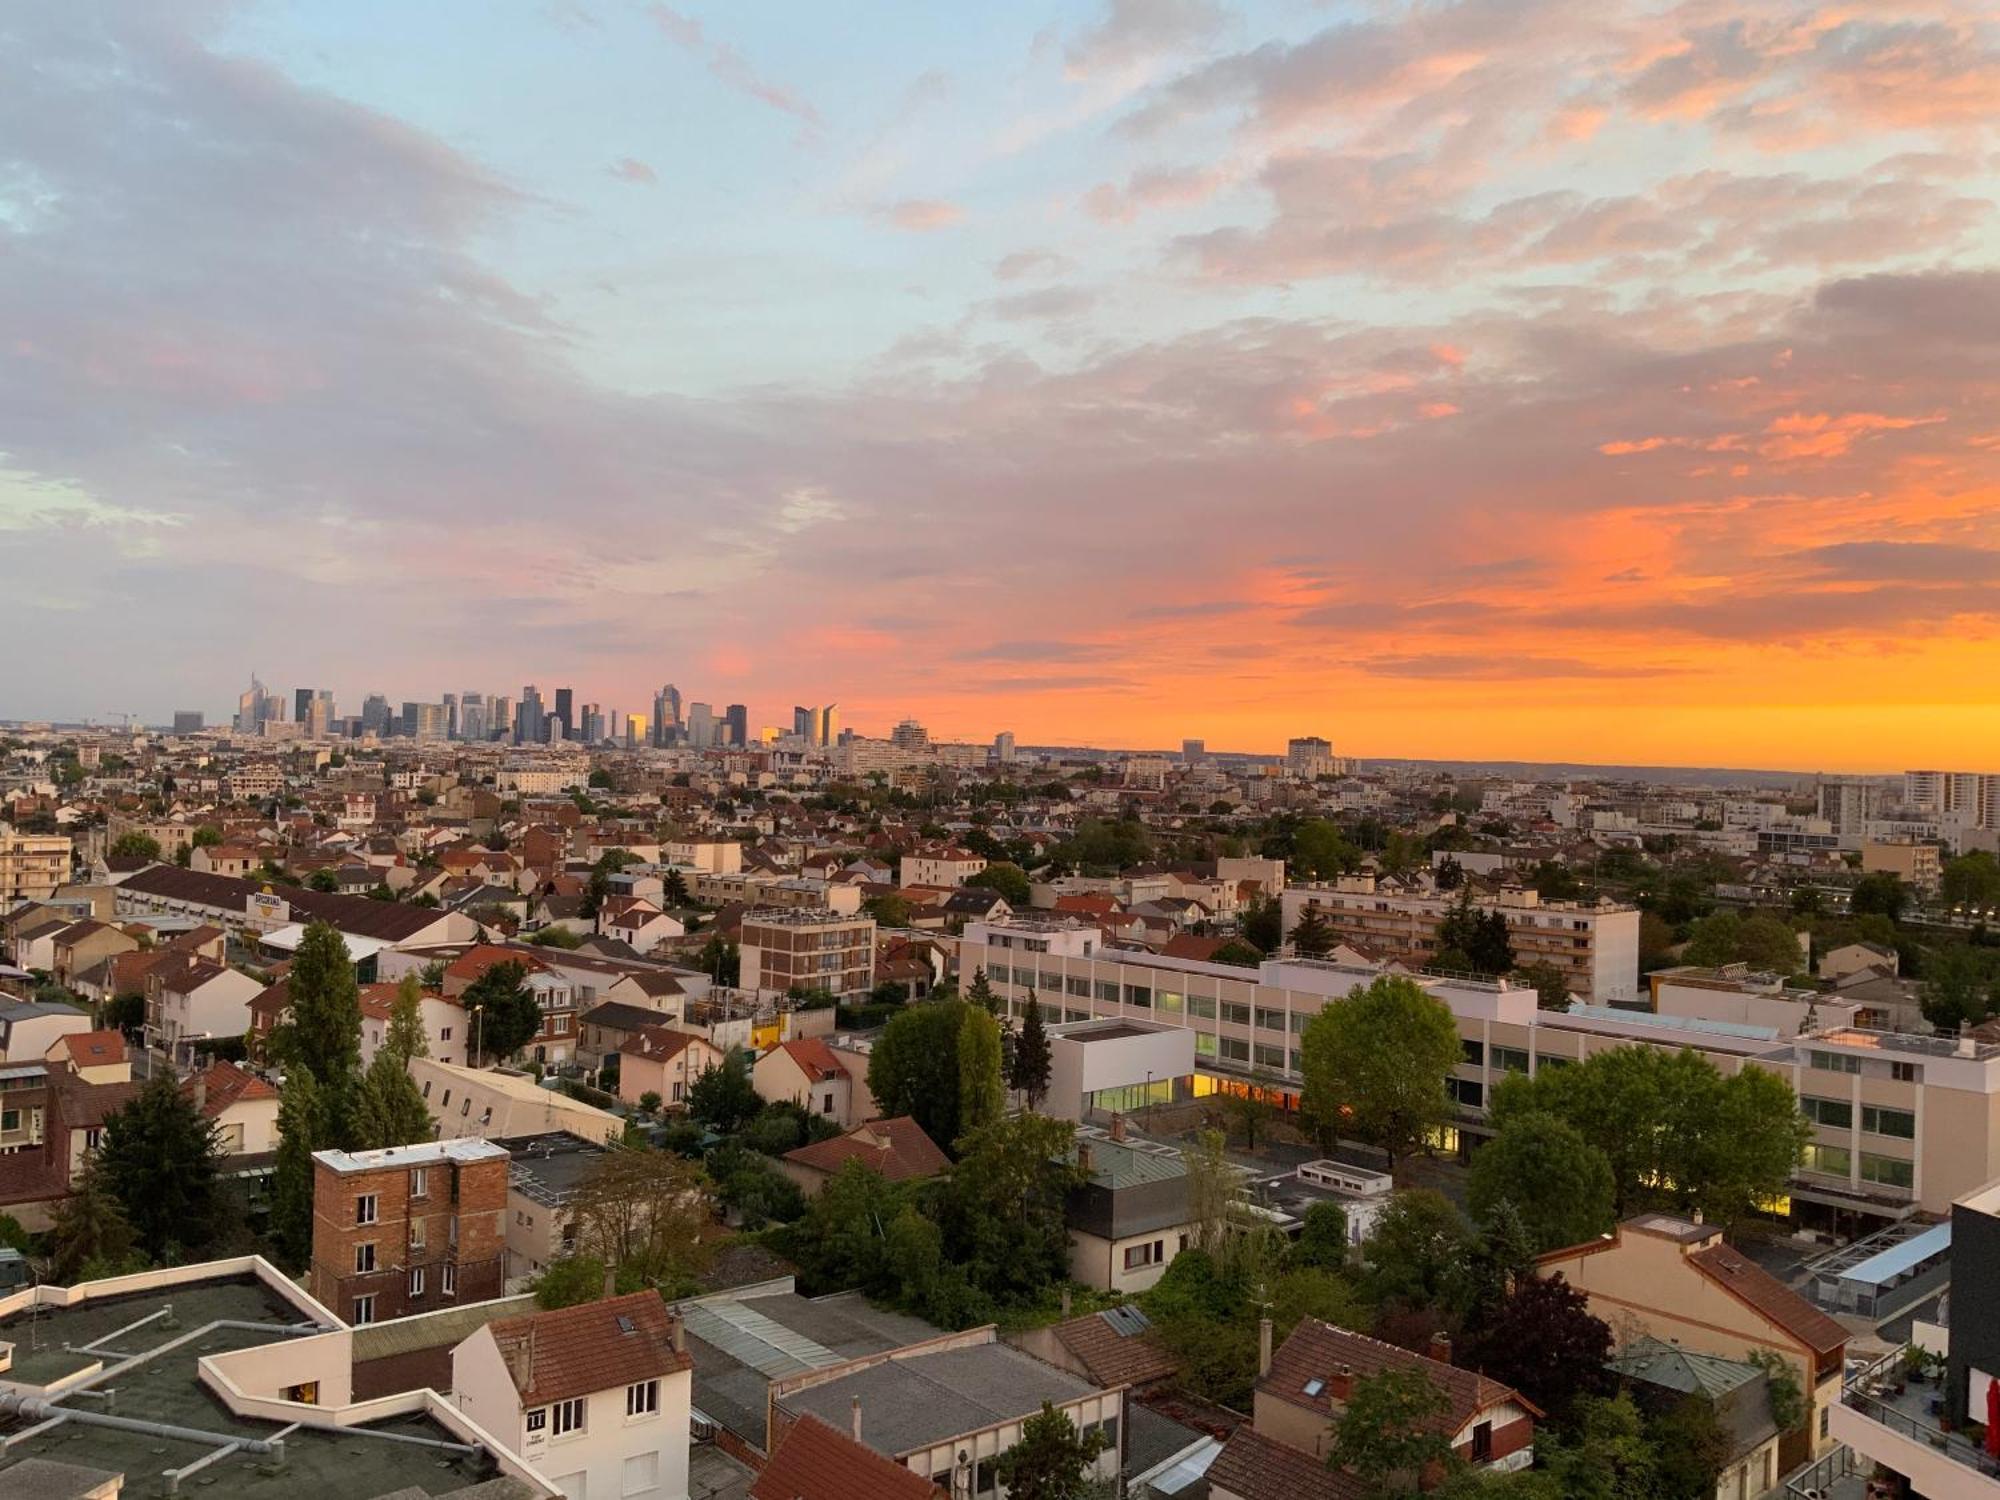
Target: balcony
{"type": "Point", "coordinates": [1902, 1430]}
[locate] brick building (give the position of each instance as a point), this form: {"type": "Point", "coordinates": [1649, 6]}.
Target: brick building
{"type": "Point", "coordinates": [409, 1229]}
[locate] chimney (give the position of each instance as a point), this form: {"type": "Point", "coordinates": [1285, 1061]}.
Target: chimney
{"type": "Point", "coordinates": [1117, 1127]}
{"type": "Point", "coordinates": [1440, 1348]}
{"type": "Point", "coordinates": [680, 1336]}
{"type": "Point", "coordinates": [200, 1093]}
{"type": "Point", "coordinates": [521, 1361]}
{"type": "Point", "coordinates": [1341, 1386]}
{"type": "Point", "coordinates": [1697, 1216]}
{"type": "Point", "coordinates": [854, 1418]}
{"type": "Point", "coordinates": [1065, 1299]}
{"type": "Point", "coordinates": [610, 1278]}
{"type": "Point", "coordinates": [1263, 1347]}
{"type": "Point", "coordinates": [1085, 1159]}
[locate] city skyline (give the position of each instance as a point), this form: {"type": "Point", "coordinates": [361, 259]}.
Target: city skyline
{"type": "Point", "coordinates": [1533, 381]}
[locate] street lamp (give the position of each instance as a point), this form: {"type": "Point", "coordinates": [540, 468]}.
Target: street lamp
{"type": "Point", "coordinates": [475, 1032]}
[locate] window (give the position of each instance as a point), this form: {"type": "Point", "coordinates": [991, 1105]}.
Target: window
{"type": "Point", "coordinates": [1140, 995]}
{"type": "Point", "coordinates": [448, 1280]}
{"type": "Point", "coordinates": [445, 1102]}
{"type": "Point", "coordinates": [427, 1088]}
{"type": "Point", "coordinates": [985, 1476]}
{"type": "Point", "coordinates": [1234, 1014]}
{"type": "Point", "coordinates": [826, 1108]}
{"type": "Point", "coordinates": [1234, 1048]}
{"type": "Point", "coordinates": [1511, 1059]}
{"type": "Point", "coordinates": [364, 1309]}
{"type": "Point", "coordinates": [538, 1419]}
{"type": "Point", "coordinates": [568, 1416]}
{"type": "Point", "coordinates": [1269, 1056]}
{"type": "Point", "coordinates": [1466, 1091]}
{"type": "Point", "coordinates": [1475, 1052]}
{"type": "Point", "coordinates": [364, 1257]}
{"type": "Point", "coordinates": [1877, 1119]}
{"type": "Point", "coordinates": [1110, 1431]}
{"type": "Point", "coordinates": [10, 1120]}
{"type": "Point", "coordinates": [420, 1179]}
{"type": "Point", "coordinates": [642, 1473]}
{"type": "Point", "coordinates": [1300, 1020]}
{"type": "Point", "coordinates": [1078, 986]}
{"type": "Point", "coordinates": [1835, 1161]}
{"type": "Point", "coordinates": [1107, 989]}
{"type": "Point", "coordinates": [444, 1033]}
{"type": "Point", "coordinates": [1204, 1044]}
{"type": "Point", "coordinates": [465, 1106]}
{"type": "Point", "coordinates": [677, 1091]}
{"type": "Point", "coordinates": [1834, 1062]}
{"type": "Point", "coordinates": [643, 1399]}
{"type": "Point", "coordinates": [417, 1281]}
{"type": "Point", "coordinates": [364, 1209]}
{"type": "Point", "coordinates": [1904, 1072]}
{"type": "Point", "coordinates": [1837, 1113]}
{"type": "Point", "coordinates": [1138, 1257]}
{"type": "Point", "coordinates": [1482, 1443]}
{"type": "Point", "coordinates": [1201, 1006]}
{"type": "Point", "coordinates": [1270, 1020]}
{"type": "Point", "coordinates": [1172, 1004]}
{"type": "Point", "coordinates": [1888, 1170]}
{"type": "Point", "coordinates": [416, 1234]}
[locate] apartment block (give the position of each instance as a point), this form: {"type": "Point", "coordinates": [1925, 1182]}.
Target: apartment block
{"type": "Point", "coordinates": [1594, 944]}
{"type": "Point", "coordinates": [32, 865]}
{"type": "Point", "coordinates": [1901, 1124]}
{"type": "Point", "coordinates": [409, 1229]}
{"type": "Point", "coordinates": [807, 948]}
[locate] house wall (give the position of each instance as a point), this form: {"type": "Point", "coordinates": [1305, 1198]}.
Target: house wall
{"type": "Point", "coordinates": [1099, 1262]}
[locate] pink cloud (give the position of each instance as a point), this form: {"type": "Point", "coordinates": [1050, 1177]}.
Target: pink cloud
{"type": "Point", "coordinates": [921, 215]}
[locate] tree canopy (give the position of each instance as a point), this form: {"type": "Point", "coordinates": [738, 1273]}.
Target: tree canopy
{"type": "Point", "coordinates": [1559, 1182]}
{"type": "Point", "coordinates": [1375, 1065]}
{"type": "Point", "coordinates": [158, 1158]}
{"type": "Point", "coordinates": [508, 1013]}
{"type": "Point", "coordinates": [914, 1068]}
{"type": "Point", "coordinates": [1051, 1460]}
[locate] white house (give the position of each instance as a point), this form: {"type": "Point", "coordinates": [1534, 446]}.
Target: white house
{"type": "Point", "coordinates": [595, 1397]}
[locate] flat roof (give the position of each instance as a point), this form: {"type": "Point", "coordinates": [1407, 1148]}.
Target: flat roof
{"type": "Point", "coordinates": [551, 1166]}
{"type": "Point", "coordinates": [1886, 1265]}
{"type": "Point", "coordinates": [1659, 1022]}
{"type": "Point", "coordinates": [422, 1154]}
{"type": "Point", "coordinates": [931, 1398]}
{"type": "Point", "coordinates": [351, 1464]}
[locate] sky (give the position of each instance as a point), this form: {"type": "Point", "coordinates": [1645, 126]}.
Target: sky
{"type": "Point", "coordinates": [1577, 380]}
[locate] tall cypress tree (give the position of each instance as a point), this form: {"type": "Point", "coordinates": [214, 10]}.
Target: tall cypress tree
{"type": "Point", "coordinates": [299, 1127]}
{"type": "Point", "coordinates": [326, 1024]}
{"type": "Point", "coordinates": [1031, 1055]}
{"type": "Point", "coordinates": [158, 1159]}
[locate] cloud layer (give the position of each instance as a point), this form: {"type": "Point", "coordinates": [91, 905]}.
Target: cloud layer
{"type": "Point", "coordinates": [1502, 378]}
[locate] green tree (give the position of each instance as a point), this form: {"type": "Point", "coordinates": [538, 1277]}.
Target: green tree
{"type": "Point", "coordinates": [1480, 936]}
{"type": "Point", "coordinates": [609, 863]}
{"type": "Point", "coordinates": [913, 1069]}
{"type": "Point", "coordinates": [1420, 1253]}
{"type": "Point", "coordinates": [1003, 1208]}
{"type": "Point", "coordinates": [135, 845]}
{"type": "Point", "coordinates": [301, 1128]}
{"type": "Point", "coordinates": [158, 1157]}
{"type": "Point", "coordinates": [1763, 942]}
{"type": "Point", "coordinates": [1609, 1457]}
{"type": "Point", "coordinates": [980, 993]}
{"type": "Point", "coordinates": [207, 836]}
{"type": "Point", "coordinates": [406, 1022]}
{"type": "Point", "coordinates": [721, 960]}
{"type": "Point", "coordinates": [1032, 1059]}
{"type": "Point", "coordinates": [982, 1093]}
{"type": "Point", "coordinates": [89, 1233]}
{"type": "Point", "coordinates": [326, 1028]}
{"type": "Point", "coordinates": [1557, 1180]}
{"type": "Point", "coordinates": [1249, 1105]}
{"type": "Point", "coordinates": [1320, 851]}
{"type": "Point", "coordinates": [725, 1098]}
{"type": "Point", "coordinates": [569, 1282]}
{"type": "Point", "coordinates": [390, 1111]}
{"type": "Point", "coordinates": [1960, 986]}
{"type": "Point", "coordinates": [1971, 880]}
{"type": "Point", "coordinates": [674, 889]}
{"type": "Point", "coordinates": [1392, 1429]}
{"type": "Point", "coordinates": [323, 881]}
{"type": "Point", "coordinates": [1690, 1446]}
{"type": "Point", "coordinates": [1051, 1460]}
{"type": "Point", "coordinates": [839, 1243]}
{"type": "Point", "coordinates": [1236, 951]}
{"type": "Point", "coordinates": [1262, 923]}
{"type": "Point", "coordinates": [503, 1008]}
{"type": "Point", "coordinates": [1550, 984]}
{"type": "Point", "coordinates": [1312, 934]}
{"type": "Point", "coordinates": [1878, 894]}
{"type": "Point", "coordinates": [1322, 1241]}
{"type": "Point", "coordinates": [1376, 1064]}
{"type": "Point", "coordinates": [1009, 879]}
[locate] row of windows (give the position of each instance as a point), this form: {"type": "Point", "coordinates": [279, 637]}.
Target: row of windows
{"type": "Point", "coordinates": [565, 1417]}
{"type": "Point", "coordinates": [1842, 1062]}
{"type": "Point", "coordinates": [1876, 1119]}
{"type": "Point", "coordinates": [364, 1306]}
{"type": "Point", "coordinates": [1838, 1161]}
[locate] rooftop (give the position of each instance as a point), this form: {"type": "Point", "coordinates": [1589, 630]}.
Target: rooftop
{"type": "Point", "coordinates": [423, 1154]}
{"type": "Point", "coordinates": [922, 1399]}
{"type": "Point", "coordinates": [549, 1168]}
{"type": "Point", "coordinates": [176, 1325]}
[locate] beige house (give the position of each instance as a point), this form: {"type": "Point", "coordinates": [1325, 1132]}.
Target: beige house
{"type": "Point", "coordinates": [820, 1078]}
{"type": "Point", "coordinates": [663, 1061]}
{"type": "Point", "coordinates": [491, 1102]}
{"type": "Point", "coordinates": [1675, 1280]}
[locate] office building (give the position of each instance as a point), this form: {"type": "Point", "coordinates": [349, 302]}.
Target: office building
{"type": "Point", "coordinates": [530, 727]}
{"type": "Point", "coordinates": [375, 715]}
{"type": "Point", "coordinates": [736, 723]}
{"type": "Point", "coordinates": [189, 721]}
{"type": "Point", "coordinates": [1847, 803]}
{"type": "Point", "coordinates": [1192, 751]}
{"type": "Point", "coordinates": [666, 714]}
{"type": "Point", "coordinates": [302, 701]}
{"type": "Point", "coordinates": [806, 949]}
{"type": "Point", "coordinates": [829, 725]}
{"type": "Point", "coordinates": [408, 1229]}
{"type": "Point", "coordinates": [909, 735]}
{"type": "Point", "coordinates": [500, 717]}
{"type": "Point", "coordinates": [701, 725]}
{"type": "Point", "coordinates": [635, 731]}
{"type": "Point", "coordinates": [1003, 748]}
{"type": "Point", "coordinates": [565, 715]}
{"type": "Point", "coordinates": [472, 717]}
{"type": "Point", "coordinates": [805, 723]}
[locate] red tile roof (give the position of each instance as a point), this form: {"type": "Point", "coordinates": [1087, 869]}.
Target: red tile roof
{"type": "Point", "coordinates": [1254, 1467]}
{"type": "Point", "coordinates": [92, 1049]}
{"type": "Point", "coordinates": [898, 1148]}
{"type": "Point", "coordinates": [595, 1346]}
{"type": "Point", "coordinates": [1112, 1358]}
{"type": "Point", "coordinates": [1744, 1279]}
{"type": "Point", "coordinates": [814, 1461]}
{"type": "Point", "coordinates": [1316, 1349]}
{"type": "Point", "coordinates": [477, 959]}
{"type": "Point", "coordinates": [659, 1043]}
{"type": "Point", "coordinates": [815, 1058]}
{"type": "Point", "coordinates": [1187, 945]}
{"type": "Point", "coordinates": [227, 1084]}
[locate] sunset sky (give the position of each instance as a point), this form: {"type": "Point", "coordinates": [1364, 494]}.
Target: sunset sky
{"type": "Point", "coordinates": [1584, 381]}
